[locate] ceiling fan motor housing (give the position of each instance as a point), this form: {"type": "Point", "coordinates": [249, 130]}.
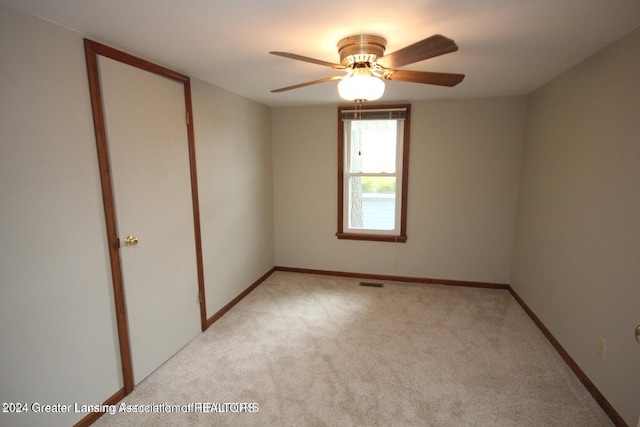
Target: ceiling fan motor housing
{"type": "Point", "coordinates": [361, 49]}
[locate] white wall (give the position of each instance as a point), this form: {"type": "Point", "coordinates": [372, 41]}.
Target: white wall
{"type": "Point", "coordinates": [463, 177]}
{"type": "Point", "coordinates": [577, 252]}
{"type": "Point", "coordinates": [57, 323]}
{"type": "Point", "coordinates": [233, 145]}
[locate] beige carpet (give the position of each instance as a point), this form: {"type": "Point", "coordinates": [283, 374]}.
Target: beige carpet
{"type": "Point", "coordinates": [323, 351]}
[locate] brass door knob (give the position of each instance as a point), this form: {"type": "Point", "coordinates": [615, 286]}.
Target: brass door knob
{"type": "Point", "coordinates": [130, 240]}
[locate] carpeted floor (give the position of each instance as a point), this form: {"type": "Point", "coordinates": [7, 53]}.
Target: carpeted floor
{"type": "Point", "coordinates": [314, 350]}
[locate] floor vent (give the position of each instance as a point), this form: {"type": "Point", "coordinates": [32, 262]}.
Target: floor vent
{"type": "Point", "coordinates": [371, 284]}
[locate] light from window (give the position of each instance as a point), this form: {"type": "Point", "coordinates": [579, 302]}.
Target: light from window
{"type": "Point", "coordinates": [373, 151]}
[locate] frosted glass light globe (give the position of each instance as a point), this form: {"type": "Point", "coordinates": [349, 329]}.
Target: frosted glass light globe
{"type": "Point", "coordinates": [361, 85]}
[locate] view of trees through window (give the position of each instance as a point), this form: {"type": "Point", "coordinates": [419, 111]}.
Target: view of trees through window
{"type": "Point", "coordinates": [373, 165]}
{"type": "Point", "coordinates": [372, 174]}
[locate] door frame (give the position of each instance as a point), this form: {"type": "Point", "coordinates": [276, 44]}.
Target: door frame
{"type": "Point", "coordinates": [92, 50]}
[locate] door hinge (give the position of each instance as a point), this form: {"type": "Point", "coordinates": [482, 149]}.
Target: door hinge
{"type": "Point", "coordinates": [187, 118]}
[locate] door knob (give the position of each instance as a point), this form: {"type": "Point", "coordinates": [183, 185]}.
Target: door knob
{"type": "Point", "coordinates": [130, 240]}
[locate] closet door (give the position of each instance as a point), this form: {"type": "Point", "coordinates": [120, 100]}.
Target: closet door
{"type": "Point", "coordinates": [147, 140]}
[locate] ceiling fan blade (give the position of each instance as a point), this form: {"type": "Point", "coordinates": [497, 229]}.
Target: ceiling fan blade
{"type": "Point", "coordinates": [326, 79]}
{"type": "Point", "coordinates": [307, 59]}
{"type": "Point", "coordinates": [430, 47]}
{"type": "Point", "coordinates": [440, 79]}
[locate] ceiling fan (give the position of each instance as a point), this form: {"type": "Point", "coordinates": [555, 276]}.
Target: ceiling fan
{"type": "Point", "coordinates": [362, 58]}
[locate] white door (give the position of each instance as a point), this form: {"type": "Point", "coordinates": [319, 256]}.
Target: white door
{"type": "Point", "coordinates": [145, 120]}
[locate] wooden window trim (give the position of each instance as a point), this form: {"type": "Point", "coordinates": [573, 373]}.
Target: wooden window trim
{"type": "Point", "coordinates": [402, 236]}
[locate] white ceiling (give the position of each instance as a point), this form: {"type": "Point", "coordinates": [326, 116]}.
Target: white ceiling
{"type": "Point", "coordinates": [507, 47]}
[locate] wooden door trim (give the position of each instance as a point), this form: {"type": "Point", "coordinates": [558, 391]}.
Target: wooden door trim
{"type": "Point", "coordinates": [92, 50]}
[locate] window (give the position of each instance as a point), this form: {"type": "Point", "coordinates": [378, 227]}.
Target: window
{"type": "Point", "coordinates": [373, 161]}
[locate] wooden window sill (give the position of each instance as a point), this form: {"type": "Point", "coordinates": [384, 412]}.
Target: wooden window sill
{"type": "Point", "coordinates": [372, 237]}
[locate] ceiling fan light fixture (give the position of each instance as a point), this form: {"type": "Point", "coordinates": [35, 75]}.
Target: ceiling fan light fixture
{"type": "Point", "coordinates": [360, 85]}
{"type": "Point", "coordinates": [363, 58]}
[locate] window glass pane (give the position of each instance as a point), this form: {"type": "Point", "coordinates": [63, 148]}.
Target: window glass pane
{"type": "Point", "coordinates": [373, 146]}
{"type": "Point", "coordinates": [372, 202]}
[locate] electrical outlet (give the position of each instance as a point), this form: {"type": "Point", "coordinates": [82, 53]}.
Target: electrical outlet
{"type": "Point", "coordinates": [601, 348]}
